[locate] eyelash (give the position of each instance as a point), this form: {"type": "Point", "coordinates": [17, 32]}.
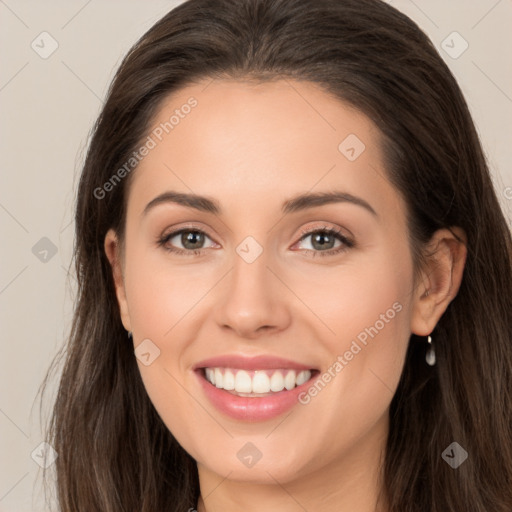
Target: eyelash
{"type": "Point", "coordinates": [346, 243]}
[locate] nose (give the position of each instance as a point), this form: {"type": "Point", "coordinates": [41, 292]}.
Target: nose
{"type": "Point", "coordinates": [254, 299]}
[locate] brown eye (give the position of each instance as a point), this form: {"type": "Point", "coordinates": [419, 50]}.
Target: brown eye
{"type": "Point", "coordinates": [191, 240]}
{"type": "Point", "coordinates": [323, 241]}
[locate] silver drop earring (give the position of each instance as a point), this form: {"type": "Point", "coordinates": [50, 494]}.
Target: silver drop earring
{"type": "Point", "coordinates": [130, 335]}
{"type": "Point", "coordinates": [431, 353]}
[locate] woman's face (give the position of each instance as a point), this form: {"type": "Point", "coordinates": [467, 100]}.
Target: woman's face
{"type": "Point", "coordinates": [257, 289]}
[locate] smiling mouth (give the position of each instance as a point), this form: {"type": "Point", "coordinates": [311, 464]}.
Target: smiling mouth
{"type": "Point", "coordinates": [256, 383]}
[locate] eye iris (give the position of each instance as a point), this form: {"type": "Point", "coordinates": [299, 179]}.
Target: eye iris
{"type": "Point", "coordinates": [193, 237]}
{"type": "Point", "coordinates": [320, 239]}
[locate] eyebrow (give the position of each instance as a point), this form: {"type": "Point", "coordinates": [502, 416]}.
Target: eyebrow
{"type": "Point", "coordinates": [295, 204]}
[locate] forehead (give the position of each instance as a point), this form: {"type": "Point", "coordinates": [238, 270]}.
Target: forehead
{"type": "Point", "coordinates": [269, 140]}
{"type": "Point", "coordinates": [252, 114]}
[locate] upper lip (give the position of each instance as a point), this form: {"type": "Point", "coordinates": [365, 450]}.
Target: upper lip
{"type": "Point", "coordinates": [262, 362]}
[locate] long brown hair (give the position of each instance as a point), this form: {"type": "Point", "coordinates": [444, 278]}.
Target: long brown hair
{"type": "Point", "coordinates": [114, 452]}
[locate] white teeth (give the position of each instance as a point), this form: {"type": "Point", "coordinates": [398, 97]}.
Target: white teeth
{"type": "Point", "coordinates": [243, 382]}
{"type": "Point", "coordinates": [277, 382]}
{"type": "Point", "coordinates": [290, 380]}
{"type": "Point", "coordinates": [258, 381]}
{"type": "Point", "coordinates": [303, 377]}
{"type": "Point", "coordinates": [229, 380]}
{"type": "Point", "coordinates": [218, 378]}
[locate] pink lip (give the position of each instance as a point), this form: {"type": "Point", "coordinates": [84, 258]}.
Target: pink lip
{"type": "Point", "coordinates": [251, 363]}
{"type": "Point", "coordinates": [251, 408]}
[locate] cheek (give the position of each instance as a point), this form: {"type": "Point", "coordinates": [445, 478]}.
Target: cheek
{"type": "Point", "coordinates": [365, 306]}
{"type": "Point", "coordinates": [161, 294]}
{"type": "Point", "coordinates": [162, 303]}
{"type": "Point", "coordinates": [365, 298]}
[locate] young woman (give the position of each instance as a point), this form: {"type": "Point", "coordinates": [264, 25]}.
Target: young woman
{"type": "Point", "coordinates": [286, 206]}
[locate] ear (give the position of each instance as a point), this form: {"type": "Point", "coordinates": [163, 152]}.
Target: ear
{"type": "Point", "coordinates": [112, 249]}
{"type": "Point", "coordinates": [439, 280]}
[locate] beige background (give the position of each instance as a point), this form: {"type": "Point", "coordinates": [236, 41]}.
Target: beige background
{"type": "Point", "coordinates": [47, 107]}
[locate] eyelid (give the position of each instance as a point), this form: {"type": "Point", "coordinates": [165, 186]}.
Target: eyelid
{"type": "Point", "coordinates": [186, 226]}
{"type": "Point", "coordinates": [330, 228]}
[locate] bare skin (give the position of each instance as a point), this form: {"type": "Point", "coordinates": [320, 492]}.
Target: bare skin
{"type": "Point", "coordinates": [252, 147]}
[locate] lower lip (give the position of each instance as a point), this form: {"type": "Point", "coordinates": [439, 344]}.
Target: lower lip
{"type": "Point", "coordinates": [252, 408]}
